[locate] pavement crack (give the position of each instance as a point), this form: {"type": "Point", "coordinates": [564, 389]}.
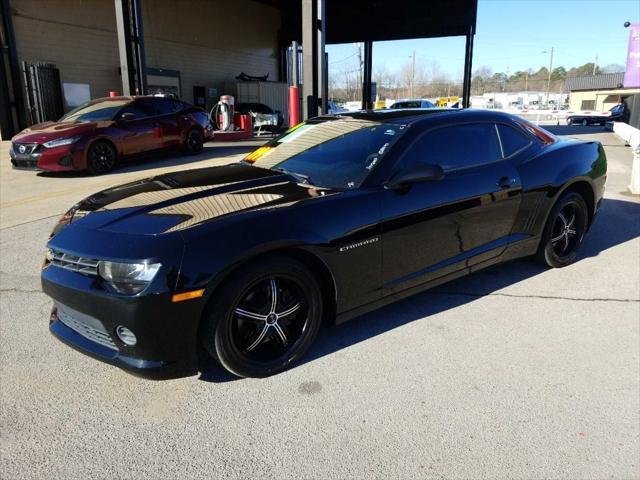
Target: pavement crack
{"type": "Point", "coordinates": [8, 227]}
{"type": "Point", "coordinates": [542, 297]}
{"type": "Point", "coordinates": [18, 290]}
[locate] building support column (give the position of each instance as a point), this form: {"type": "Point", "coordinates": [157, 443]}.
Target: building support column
{"type": "Point", "coordinates": [131, 46]}
{"type": "Point", "coordinates": [12, 114]}
{"type": "Point", "coordinates": [367, 102]}
{"type": "Point", "coordinates": [314, 62]}
{"type": "Point", "coordinates": [295, 65]}
{"type": "Point", "coordinates": [468, 57]}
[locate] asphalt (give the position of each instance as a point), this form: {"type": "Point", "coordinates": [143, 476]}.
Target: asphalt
{"type": "Point", "coordinates": [513, 372]}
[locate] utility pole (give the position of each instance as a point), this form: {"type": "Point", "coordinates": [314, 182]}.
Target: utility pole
{"type": "Point", "coordinates": [413, 72]}
{"type": "Point", "coordinates": [359, 69]}
{"type": "Point", "coordinates": [595, 65]}
{"type": "Point", "coordinates": [549, 79]}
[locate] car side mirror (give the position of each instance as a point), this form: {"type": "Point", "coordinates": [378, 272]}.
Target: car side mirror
{"type": "Point", "coordinates": [416, 173]}
{"type": "Point", "coordinates": [127, 117]}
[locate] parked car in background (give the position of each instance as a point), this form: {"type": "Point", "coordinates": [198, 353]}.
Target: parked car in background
{"type": "Point", "coordinates": [590, 117]}
{"type": "Point", "coordinates": [263, 116]}
{"type": "Point", "coordinates": [418, 103]}
{"type": "Point", "coordinates": [102, 132]}
{"type": "Point", "coordinates": [338, 216]}
{"type": "Point", "coordinates": [334, 108]}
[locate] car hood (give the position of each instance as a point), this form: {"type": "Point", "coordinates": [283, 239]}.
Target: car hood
{"type": "Point", "coordinates": [186, 199]}
{"type": "Point", "coordinates": [44, 132]}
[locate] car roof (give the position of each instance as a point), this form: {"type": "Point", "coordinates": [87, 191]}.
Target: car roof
{"type": "Point", "coordinates": [114, 99]}
{"type": "Point", "coordinates": [415, 115]}
{"type": "Point", "coordinates": [406, 100]}
{"type": "Point", "coordinates": [131, 98]}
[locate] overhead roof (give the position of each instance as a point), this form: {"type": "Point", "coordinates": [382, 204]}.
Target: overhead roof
{"type": "Point", "coordinates": [595, 82]}
{"type": "Point", "coordinates": [378, 20]}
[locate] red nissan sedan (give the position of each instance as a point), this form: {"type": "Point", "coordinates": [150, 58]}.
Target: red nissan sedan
{"type": "Point", "coordinates": [102, 132]}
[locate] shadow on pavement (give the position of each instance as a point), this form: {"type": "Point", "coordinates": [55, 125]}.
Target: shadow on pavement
{"type": "Point", "coordinates": [617, 222]}
{"type": "Point", "coordinates": [574, 129]}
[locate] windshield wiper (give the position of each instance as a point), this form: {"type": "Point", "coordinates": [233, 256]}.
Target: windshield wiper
{"type": "Point", "coordinates": [306, 179]}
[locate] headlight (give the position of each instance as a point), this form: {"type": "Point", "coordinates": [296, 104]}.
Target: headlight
{"type": "Point", "coordinates": [128, 278]}
{"type": "Point", "coordinates": [59, 142]}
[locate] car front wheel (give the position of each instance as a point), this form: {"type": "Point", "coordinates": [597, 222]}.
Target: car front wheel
{"type": "Point", "coordinates": [564, 231]}
{"type": "Point", "coordinates": [263, 318]}
{"type": "Point", "coordinates": [101, 157]}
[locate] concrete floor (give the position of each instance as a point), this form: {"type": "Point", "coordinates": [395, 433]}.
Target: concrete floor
{"type": "Point", "coordinates": [514, 372]}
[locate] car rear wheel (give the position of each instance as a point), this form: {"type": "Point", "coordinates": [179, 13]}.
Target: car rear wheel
{"type": "Point", "coordinates": [263, 318]}
{"type": "Point", "coordinates": [564, 231]}
{"type": "Point", "coordinates": [101, 157]}
{"type": "Point", "coordinates": [194, 143]}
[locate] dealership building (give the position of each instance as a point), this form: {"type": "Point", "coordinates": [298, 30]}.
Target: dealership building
{"type": "Point", "coordinates": [598, 92]}
{"type": "Point", "coordinates": [58, 53]}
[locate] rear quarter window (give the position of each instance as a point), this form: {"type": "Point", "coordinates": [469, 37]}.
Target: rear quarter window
{"type": "Point", "coordinates": [512, 140]}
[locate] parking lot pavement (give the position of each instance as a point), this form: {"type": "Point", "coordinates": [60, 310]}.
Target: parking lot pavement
{"type": "Point", "coordinates": [27, 196]}
{"type": "Point", "coordinates": [515, 372]}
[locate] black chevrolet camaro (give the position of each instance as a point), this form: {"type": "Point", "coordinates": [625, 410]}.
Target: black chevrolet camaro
{"type": "Point", "coordinates": [337, 216]}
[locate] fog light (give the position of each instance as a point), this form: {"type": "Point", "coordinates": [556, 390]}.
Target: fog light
{"type": "Point", "coordinates": [65, 161]}
{"type": "Point", "coordinates": [126, 336]}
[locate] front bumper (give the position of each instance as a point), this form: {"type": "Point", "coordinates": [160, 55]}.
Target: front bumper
{"type": "Point", "coordinates": [37, 157]}
{"type": "Point", "coordinates": [166, 332]}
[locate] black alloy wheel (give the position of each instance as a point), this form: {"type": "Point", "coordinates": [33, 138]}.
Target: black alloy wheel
{"type": "Point", "coordinates": [194, 143]}
{"type": "Point", "coordinates": [564, 232]}
{"type": "Point", "coordinates": [264, 317]}
{"type": "Point", "coordinates": [101, 157]}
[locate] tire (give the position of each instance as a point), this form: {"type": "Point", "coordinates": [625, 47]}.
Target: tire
{"type": "Point", "coordinates": [249, 334]}
{"type": "Point", "coordinates": [194, 142]}
{"type": "Point", "coordinates": [101, 157]}
{"type": "Point", "coordinates": [564, 231]}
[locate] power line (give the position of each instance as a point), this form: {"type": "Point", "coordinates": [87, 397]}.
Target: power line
{"type": "Point", "coordinates": [343, 59]}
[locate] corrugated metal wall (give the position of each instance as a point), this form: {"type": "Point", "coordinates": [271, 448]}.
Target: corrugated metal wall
{"type": "Point", "coordinates": [208, 41]}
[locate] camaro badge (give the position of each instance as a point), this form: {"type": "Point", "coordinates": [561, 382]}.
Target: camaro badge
{"type": "Point", "coordinates": [346, 248]}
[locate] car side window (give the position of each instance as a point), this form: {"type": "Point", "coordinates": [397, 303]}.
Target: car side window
{"type": "Point", "coordinates": [512, 140]}
{"type": "Point", "coordinates": [457, 146]}
{"type": "Point", "coordinates": [140, 109]}
{"type": "Point", "coordinates": [164, 106]}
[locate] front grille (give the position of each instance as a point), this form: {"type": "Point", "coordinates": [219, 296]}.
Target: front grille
{"type": "Point", "coordinates": [84, 265]}
{"type": "Point", "coordinates": [96, 333]}
{"type": "Point", "coordinates": [24, 148]}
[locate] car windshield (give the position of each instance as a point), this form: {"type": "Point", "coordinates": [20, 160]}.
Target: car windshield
{"type": "Point", "coordinates": [410, 104]}
{"type": "Point", "coordinates": [95, 111]}
{"type": "Point", "coordinates": [336, 152]}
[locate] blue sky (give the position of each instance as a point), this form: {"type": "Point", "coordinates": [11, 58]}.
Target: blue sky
{"type": "Point", "coordinates": [512, 34]}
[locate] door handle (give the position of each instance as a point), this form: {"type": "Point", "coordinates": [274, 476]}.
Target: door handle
{"type": "Point", "coordinates": [506, 182]}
